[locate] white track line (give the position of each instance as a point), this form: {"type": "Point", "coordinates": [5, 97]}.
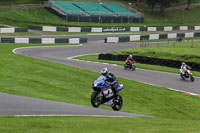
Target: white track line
{"type": "Point", "coordinates": [70, 115]}
{"type": "Point", "coordinates": [14, 50]}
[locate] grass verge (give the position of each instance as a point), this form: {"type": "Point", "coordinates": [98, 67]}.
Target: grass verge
{"type": "Point", "coordinates": [18, 34]}
{"type": "Point", "coordinates": [41, 16]}
{"type": "Point", "coordinates": [186, 51]}
{"type": "Point", "coordinates": [96, 125]}
{"type": "Point", "coordinates": [20, 75]}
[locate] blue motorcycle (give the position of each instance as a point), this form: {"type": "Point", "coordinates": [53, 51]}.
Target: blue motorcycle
{"type": "Point", "coordinates": [103, 94]}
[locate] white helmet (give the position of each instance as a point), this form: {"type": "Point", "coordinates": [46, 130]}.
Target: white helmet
{"type": "Point", "coordinates": [104, 71]}
{"type": "Point", "coordinates": [183, 63]}
{"type": "Point", "coordinates": [130, 56]}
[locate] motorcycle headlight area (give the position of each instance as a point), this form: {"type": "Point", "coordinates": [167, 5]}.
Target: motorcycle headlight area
{"type": "Point", "coordinates": [96, 84]}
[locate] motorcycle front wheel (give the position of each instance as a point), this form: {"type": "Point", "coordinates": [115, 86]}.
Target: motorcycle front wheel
{"type": "Point", "coordinates": [118, 102]}
{"type": "Point", "coordinates": [192, 78]}
{"type": "Point", "coordinates": [95, 99]}
{"type": "Point", "coordinates": [133, 68]}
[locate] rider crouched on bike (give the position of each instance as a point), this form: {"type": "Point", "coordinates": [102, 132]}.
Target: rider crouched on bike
{"type": "Point", "coordinates": [111, 79]}
{"type": "Point", "coordinates": [129, 60]}
{"type": "Point", "coordinates": [184, 68]}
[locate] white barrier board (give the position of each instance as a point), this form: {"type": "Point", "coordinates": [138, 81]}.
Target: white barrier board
{"type": "Point", "coordinates": [7, 30]}
{"type": "Point", "coordinates": [21, 40]}
{"type": "Point", "coordinates": [48, 28]}
{"type": "Point", "coordinates": [151, 29]}
{"type": "Point", "coordinates": [134, 37]}
{"type": "Point", "coordinates": [74, 40]}
{"type": "Point", "coordinates": [74, 29]}
{"type": "Point", "coordinates": [168, 28]}
{"type": "Point", "coordinates": [97, 30]}
{"type": "Point", "coordinates": [112, 39]}
{"type": "Point", "coordinates": [48, 40]}
{"type": "Point", "coordinates": [197, 27]}
{"type": "Point", "coordinates": [189, 35]}
{"type": "Point", "coordinates": [135, 29]}
{"type": "Point", "coordinates": [153, 36]}
{"type": "Point", "coordinates": [172, 35]}
{"type": "Point", "coordinates": [183, 27]}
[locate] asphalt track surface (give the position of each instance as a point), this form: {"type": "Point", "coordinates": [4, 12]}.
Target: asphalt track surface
{"type": "Point", "coordinates": [19, 105]}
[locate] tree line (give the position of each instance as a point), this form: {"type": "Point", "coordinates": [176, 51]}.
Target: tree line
{"type": "Point", "coordinates": [163, 4]}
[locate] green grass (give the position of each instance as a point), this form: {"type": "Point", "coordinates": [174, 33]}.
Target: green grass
{"type": "Point", "coordinates": [52, 81]}
{"type": "Point", "coordinates": [20, 75]}
{"type": "Point", "coordinates": [18, 34]}
{"type": "Point", "coordinates": [41, 16]}
{"type": "Point", "coordinates": [96, 125]}
{"type": "Point", "coordinates": [138, 65]}
{"type": "Point", "coordinates": [177, 51]}
{"type": "Point", "coordinates": [8, 2]}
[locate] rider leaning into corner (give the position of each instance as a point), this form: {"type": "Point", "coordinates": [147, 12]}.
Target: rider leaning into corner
{"type": "Point", "coordinates": [184, 68]}
{"type": "Point", "coordinates": [130, 60]}
{"type": "Point", "coordinates": [111, 79]}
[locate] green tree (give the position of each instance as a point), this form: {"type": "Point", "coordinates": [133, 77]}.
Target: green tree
{"type": "Point", "coordinates": [151, 3]}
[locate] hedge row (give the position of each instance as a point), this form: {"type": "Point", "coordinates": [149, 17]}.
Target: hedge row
{"type": "Point", "coordinates": [150, 60]}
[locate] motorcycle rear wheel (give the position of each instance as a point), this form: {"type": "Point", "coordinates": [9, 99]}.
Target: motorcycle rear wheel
{"type": "Point", "coordinates": [125, 68]}
{"type": "Point", "coordinates": [118, 102]}
{"type": "Point", "coordinates": [133, 68]}
{"type": "Point", "coordinates": [95, 99]}
{"type": "Point", "coordinates": [182, 77]}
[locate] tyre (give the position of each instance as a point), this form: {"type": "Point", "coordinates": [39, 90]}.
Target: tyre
{"type": "Point", "coordinates": [125, 68]}
{"type": "Point", "coordinates": [118, 102]}
{"type": "Point", "coordinates": [95, 99]}
{"type": "Point", "coordinates": [133, 68]}
{"type": "Point", "coordinates": [192, 78]}
{"type": "Point", "coordinates": [182, 77]}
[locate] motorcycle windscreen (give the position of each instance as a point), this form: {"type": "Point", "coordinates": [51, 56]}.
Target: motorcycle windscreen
{"type": "Point", "coordinates": [100, 78]}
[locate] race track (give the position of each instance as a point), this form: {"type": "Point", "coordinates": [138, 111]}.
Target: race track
{"type": "Point", "coordinates": [17, 105]}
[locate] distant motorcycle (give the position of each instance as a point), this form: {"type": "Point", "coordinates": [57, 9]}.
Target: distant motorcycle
{"type": "Point", "coordinates": [129, 66]}
{"type": "Point", "coordinates": [187, 74]}
{"type": "Point", "coordinates": [103, 95]}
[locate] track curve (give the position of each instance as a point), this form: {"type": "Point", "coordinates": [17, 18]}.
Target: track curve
{"type": "Point", "coordinates": [63, 54]}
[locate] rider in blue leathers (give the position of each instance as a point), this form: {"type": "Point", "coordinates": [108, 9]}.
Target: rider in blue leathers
{"type": "Point", "coordinates": [111, 79]}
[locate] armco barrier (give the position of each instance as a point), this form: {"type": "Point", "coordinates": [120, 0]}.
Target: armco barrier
{"type": "Point", "coordinates": [21, 29]}
{"type": "Point", "coordinates": [13, 30]}
{"type": "Point", "coordinates": [152, 37]}
{"type": "Point", "coordinates": [42, 40]}
{"type": "Point", "coordinates": [7, 40]}
{"type": "Point", "coordinates": [61, 40]}
{"type": "Point", "coordinates": [150, 60]}
{"type": "Point", "coordinates": [35, 40]}
{"type": "Point", "coordinates": [114, 29]}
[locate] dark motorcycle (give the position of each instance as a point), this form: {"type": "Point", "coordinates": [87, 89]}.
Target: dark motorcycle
{"type": "Point", "coordinates": [129, 67]}
{"type": "Point", "coordinates": [103, 95]}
